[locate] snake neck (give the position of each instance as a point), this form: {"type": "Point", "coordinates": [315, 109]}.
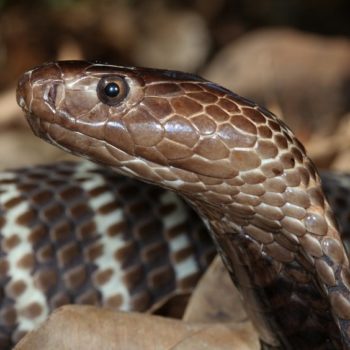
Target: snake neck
{"type": "Point", "coordinates": [278, 294]}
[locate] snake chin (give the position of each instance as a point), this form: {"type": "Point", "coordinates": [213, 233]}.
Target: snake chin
{"type": "Point", "coordinates": [37, 125]}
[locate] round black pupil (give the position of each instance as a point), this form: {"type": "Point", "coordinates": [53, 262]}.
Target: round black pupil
{"type": "Point", "coordinates": [112, 90]}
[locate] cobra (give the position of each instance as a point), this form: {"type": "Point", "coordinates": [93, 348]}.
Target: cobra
{"type": "Point", "coordinates": [234, 162]}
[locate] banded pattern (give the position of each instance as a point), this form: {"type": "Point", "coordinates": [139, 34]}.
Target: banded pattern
{"type": "Point", "coordinates": [240, 167]}
{"type": "Point", "coordinates": [76, 233]}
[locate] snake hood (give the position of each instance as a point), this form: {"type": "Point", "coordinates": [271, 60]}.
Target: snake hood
{"type": "Point", "coordinates": [239, 166]}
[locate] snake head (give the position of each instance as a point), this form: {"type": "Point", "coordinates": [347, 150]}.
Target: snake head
{"type": "Point", "coordinates": [147, 121]}
{"type": "Point", "coordinates": [66, 104]}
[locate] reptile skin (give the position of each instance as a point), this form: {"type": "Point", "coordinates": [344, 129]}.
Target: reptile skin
{"type": "Point", "coordinates": [78, 233]}
{"type": "Point", "coordinates": [240, 168]}
{"type": "Point", "coordinates": [75, 233]}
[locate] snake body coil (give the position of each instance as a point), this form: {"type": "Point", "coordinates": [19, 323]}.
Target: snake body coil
{"type": "Point", "coordinates": [75, 233]}
{"type": "Point", "coordinates": [240, 168]}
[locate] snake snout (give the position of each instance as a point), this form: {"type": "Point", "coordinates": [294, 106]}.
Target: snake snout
{"type": "Point", "coordinates": [23, 94]}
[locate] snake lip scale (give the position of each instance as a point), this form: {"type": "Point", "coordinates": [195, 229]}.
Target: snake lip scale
{"type": "Point", "coordinates": [238, 165]}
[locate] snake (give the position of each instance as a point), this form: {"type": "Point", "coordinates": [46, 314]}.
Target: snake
{"type": "Point", "coordinates": [236, 164]}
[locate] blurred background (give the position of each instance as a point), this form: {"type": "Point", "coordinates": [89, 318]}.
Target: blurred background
{"type": "Point", "coordinates": [293, 56]}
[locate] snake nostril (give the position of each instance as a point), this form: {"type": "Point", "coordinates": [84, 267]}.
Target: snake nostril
{"type": "Point", "coordinates": [54, 94]}
{"type": "Point", "coordinates": [51, 96]}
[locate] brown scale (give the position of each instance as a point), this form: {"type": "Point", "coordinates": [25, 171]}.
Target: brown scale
{"type": "Point", "coordinates": [150, 134]}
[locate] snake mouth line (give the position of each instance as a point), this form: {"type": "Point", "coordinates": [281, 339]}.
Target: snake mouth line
{"type": "Point", "coordinates": [41, 128]}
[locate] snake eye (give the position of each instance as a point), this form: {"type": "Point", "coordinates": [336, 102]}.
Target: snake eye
{"type": "Point", "coordinates": [112, 90]}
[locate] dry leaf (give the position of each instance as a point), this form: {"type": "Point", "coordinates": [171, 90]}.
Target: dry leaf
{"type": "Point", "coordinates": [215, 298]}
{"type": "Point", "coordinates": [307, 75]}
{"type": "Point", "coordinates": [87, 327]}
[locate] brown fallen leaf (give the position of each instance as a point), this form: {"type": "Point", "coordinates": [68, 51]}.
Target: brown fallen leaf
{"type": "Point", "coordinates": [215, 298]}
{"type": "Point", "coordinates": [330, 151]}
{"type": "Point", "coordinates": [87, 327]}
{"type": "Point", "coordinates": [306, 74]}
